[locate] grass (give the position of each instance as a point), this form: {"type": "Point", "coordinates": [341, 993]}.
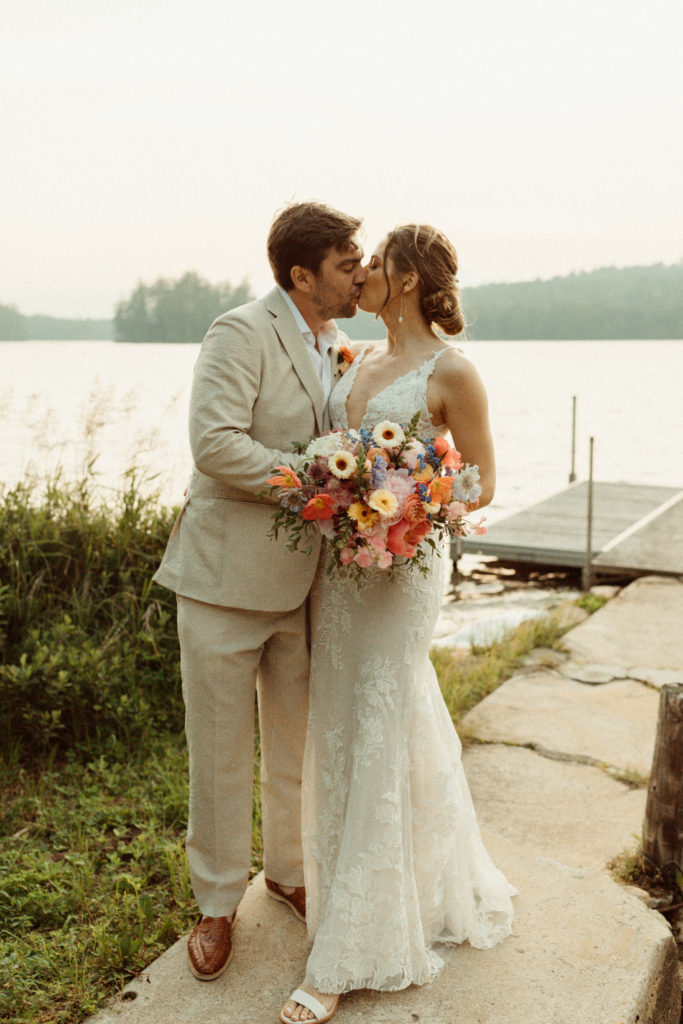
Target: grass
{"type": "Point", "coordinates": [466, 680]}
{"type": "Point", "coordinates": [94, 878]}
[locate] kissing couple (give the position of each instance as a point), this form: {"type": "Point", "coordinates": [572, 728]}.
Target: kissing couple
{"type": "Point", "coordinates": [369, 833]}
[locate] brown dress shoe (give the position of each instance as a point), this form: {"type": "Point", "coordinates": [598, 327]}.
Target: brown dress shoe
{"type": "Point", "coordinates": [296, 900]}
{"type": "Point", "coordinates": [209, 947]}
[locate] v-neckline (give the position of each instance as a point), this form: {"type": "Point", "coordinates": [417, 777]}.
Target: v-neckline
{"type": "Point", "coordinates": [382, 390]}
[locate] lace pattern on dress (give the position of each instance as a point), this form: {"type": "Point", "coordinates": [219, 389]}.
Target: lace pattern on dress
{"type": "Point", "coordinates": [394, 861]}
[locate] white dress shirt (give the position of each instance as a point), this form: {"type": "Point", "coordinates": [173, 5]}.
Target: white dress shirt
{"type": "Point", "coordinates": [327, 342]}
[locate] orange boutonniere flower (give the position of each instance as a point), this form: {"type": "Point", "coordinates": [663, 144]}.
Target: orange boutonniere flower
{"type": "Point", "coordinates": [344, 358]}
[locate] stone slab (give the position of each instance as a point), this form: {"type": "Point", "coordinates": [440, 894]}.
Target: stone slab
{"type": "Point", "coordinates": [572, 813]}
{"type": "Point", "coordinates": [614, 724]}
{"type": "Point", "coordinates": [642, 625]}
{"type": "Point", "coordinates": [583, 949]}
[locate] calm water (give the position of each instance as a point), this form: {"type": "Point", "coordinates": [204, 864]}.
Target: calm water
{"type": "Point", "coordinates": [67, 402]}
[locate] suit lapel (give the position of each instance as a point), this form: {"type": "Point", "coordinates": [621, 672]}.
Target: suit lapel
{"type": "Point", "coordinates": [295, 346]}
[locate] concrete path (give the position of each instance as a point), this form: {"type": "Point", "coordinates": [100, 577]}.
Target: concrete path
{"type": "Point", "coordinates": [555, 759]}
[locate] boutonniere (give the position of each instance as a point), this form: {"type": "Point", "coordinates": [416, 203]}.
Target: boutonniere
{"type": "Point", "coordinates": [344, 358]}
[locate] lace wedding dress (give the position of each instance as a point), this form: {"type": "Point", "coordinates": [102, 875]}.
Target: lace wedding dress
{"type": "Point", "coordinates": [394, 862]}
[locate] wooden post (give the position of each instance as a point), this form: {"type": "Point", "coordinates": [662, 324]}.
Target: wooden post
{"type": "Point", "coordinates": [587, 574]}
{"type": "Point", "coordinates": [663, 825]}
{"type": "Point", "coordinates": [572, 473]}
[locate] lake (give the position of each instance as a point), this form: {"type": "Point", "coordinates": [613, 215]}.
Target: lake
{"type": "Point", "coordinates": [67, 403]}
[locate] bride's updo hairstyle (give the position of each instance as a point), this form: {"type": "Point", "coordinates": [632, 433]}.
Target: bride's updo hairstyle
{"type": "Point", "coordinates": [428, 252]}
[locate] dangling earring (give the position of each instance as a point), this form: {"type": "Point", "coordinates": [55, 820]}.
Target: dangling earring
{"type": "Point", "coordinates": [400, 312]}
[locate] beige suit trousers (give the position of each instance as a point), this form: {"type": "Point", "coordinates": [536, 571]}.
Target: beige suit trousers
{"type": "Point", "coordinates": [226, 655]}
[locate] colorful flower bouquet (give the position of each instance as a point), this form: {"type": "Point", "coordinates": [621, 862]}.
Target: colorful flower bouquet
{"type": "Point", "coordinates": [376, 495]}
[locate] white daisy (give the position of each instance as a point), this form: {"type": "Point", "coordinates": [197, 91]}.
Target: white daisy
{"type": "Point", "coordinates": [342, 465]}
{"type": "Point", "coordinates": [388, 435]}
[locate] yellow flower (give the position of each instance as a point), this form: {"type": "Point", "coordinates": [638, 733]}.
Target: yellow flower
{"type": "Point", "coordinates": [363, 516]}
{"type": "Point", "coordinates": [423, 476]}
{"type": "Point", "coordinates": [383, 501]}
{"type": "Point", "coordinates": [342, 464]}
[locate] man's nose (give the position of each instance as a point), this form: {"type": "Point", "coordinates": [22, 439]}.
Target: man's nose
{"type": "Point", "coordinates": [361, 275]}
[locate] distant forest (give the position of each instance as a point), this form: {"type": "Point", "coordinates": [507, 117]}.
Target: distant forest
{"type": "Point", "coordinates": [628, 302]}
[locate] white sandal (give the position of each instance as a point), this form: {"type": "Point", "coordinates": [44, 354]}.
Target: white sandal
{"type": "Point", "coordinates": [311, 1003]}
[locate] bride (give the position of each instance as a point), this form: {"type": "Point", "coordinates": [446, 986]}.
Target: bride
{"type": "Point", "coordinates": [394, 862]}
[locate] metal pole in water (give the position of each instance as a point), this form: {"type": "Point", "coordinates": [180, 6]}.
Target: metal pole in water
{"type": "Point", "coordinates": [572, 474]}
{"type": "Point", "coordinates": [587, 574]}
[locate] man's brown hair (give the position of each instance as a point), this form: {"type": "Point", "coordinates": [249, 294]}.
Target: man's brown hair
{"type": "Point", "coordinates": [302, 234]}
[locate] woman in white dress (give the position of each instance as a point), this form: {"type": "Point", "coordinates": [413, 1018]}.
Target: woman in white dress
{"type": "Point", "coordinates": [394, 862]}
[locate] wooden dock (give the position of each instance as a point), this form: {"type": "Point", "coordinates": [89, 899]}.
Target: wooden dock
{"type": "Point", "coordinates": [637, 529]}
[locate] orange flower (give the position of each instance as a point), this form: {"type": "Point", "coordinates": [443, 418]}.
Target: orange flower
{"type": "Point", "coordinates": [344, 358]}
{"type": "Point", "coordinates": [287, 479]}
{"type": "Point", "coordinates": [372, 454]}
{"type": "Point", "coordinates": [413, 510]}
{"type": "Point", "coordinates": [320, 507]}
{"type": "Point", "coordinates": [440, 489]}
{"type": "Point", "coordinates": [441, 446]}
{"type": "Point", "coordinates": [452, 459]}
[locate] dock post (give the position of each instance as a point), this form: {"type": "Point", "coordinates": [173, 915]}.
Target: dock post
{"type": "Point", "coordinates": [572, 473]}
{"type": "Point", "coordinates": [587, 574]}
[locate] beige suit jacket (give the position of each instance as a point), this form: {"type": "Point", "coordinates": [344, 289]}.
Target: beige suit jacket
{"type": "Point", "coordinates": [254, 393]}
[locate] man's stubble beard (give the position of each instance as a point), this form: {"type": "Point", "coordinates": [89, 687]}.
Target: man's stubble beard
{"type": "Point", "coordinates": [326, 304]}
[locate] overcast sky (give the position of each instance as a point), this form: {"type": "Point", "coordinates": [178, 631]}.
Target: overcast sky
{"type": "Point", "coordinates": [144, 139]}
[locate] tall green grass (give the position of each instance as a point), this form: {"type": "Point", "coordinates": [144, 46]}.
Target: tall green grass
{"type": "Point", "coordinates": [88, 646]}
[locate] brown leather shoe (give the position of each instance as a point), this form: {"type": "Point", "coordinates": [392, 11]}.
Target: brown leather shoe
{"type": "Point", "coordinates": [296, 901]}
{"type": "Point", "coordinates": [209, 947]}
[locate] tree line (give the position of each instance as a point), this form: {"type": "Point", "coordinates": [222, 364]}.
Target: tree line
{"type": "Point", "coordinates": [613, 302]}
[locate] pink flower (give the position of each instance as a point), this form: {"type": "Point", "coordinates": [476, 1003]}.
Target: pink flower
{"type": "Point", "coordinates": [326, 527]}
{"type": "Point", "coordinates": [455, 510]}
{"type": "Point", "coordinates": [410, 453]}
{"type": "Point", "coordinates": [384, 559]}
{"type": "Point", "coordinates": [347, 555]}
{"type": "Point", "coordinates": [400, 483]}
{"type": "Point", "coordinates": [479, 527]}
{"type": "Point", "coordinates": [403, 538]}
{"type": "Point", "coordinates": [364, 558]}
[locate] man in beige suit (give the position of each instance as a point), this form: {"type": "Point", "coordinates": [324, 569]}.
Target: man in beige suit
{"type": "Point", "coordinates": [261, 382]}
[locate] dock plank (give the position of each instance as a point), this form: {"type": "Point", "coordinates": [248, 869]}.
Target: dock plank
{"type": "Point", "coordinates": [656, 547]}
{"type": "Point", "coordinates": [553, 531]}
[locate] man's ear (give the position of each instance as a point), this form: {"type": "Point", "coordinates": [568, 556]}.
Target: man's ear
{"type": "Point", "coordinates": [301, 278]}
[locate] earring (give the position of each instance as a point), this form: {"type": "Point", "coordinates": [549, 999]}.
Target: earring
{"type": "Point", "coordinates": [400, 313]}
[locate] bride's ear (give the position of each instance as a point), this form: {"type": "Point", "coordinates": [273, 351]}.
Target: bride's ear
{"type": "Point", "coordinates": [409, 281]}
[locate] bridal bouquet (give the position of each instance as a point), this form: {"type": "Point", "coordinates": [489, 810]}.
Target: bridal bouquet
{"type": "Point", "coordinates": [375, 495]}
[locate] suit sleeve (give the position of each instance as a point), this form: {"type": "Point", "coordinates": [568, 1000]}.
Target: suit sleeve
{"type": "Point", "coordinates": [225, 387]}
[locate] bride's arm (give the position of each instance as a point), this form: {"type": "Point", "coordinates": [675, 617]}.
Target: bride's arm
{"type": "Point", "coordinates": [457, 397]}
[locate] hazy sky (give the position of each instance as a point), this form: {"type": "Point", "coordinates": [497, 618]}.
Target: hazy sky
{"type": "Point", "coordinates": [144, 139]}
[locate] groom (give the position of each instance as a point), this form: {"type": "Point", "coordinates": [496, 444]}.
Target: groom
{"type": "Point", "coordinates": [261, 382]}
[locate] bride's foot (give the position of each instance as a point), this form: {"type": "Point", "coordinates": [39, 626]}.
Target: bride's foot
{"type": "Point", "coordinates": [296, 1012]}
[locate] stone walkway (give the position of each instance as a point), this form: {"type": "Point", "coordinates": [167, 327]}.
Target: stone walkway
{"type": "Point", "coordinates": [552, 759]}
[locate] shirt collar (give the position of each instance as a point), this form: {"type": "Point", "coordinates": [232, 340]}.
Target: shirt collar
{"type": "Point", "coordinates": [327, 333]}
